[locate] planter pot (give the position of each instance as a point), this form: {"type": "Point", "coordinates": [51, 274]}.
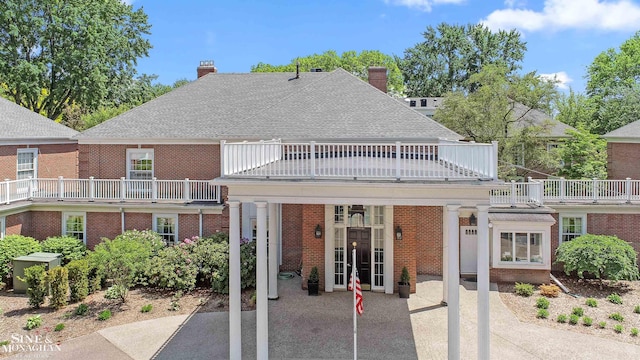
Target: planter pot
{"type": "Point", "coordinates": [313, 288]}
{"type": "Point", "coordinates": [403, 290]}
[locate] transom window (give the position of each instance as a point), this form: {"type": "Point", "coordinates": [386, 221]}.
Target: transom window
{"type": "Point", "coordinates": [571, 227]}
{"type": "Point", "coordinates": [521, 247]}
{"type": "Point", "coordinates": [166, 225]}
{"type": "Point", "coordinates": [27, 166]}
{"type": "Point", "coordinates": [140, 164]}
{"type": "Point", "coordinates": [73, 225]}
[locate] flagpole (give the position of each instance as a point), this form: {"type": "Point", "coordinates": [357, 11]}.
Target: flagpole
{"type": "Point", "coordinates": [355, 319]}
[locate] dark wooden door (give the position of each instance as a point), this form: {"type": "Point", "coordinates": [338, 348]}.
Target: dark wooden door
{"type": "Point", "coordinates": [362, 238]}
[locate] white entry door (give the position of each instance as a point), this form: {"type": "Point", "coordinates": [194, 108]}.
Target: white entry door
{"type": "Point", "coordinates": [468, 250]}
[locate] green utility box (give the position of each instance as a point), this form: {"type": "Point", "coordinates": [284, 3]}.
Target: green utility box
{"type": "Point", "coordinates": [49, 260]}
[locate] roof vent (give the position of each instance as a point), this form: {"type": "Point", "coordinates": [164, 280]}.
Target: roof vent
{"type": "Point", "coordinates": [423, 102]}
{"type": "Point", "coordinates": [412, 103]}
{"type": "Point", "coordinates": [316, 70]}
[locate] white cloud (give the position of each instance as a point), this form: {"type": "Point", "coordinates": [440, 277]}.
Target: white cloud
{"type": "Point", "coordinates": [567, 14]}
{"type": "Point", "coordinates": [422, 5]}
{"type": "Point", "coordinates": [128, 2]}
{"type": "Point", "coordinates": [561, 78]}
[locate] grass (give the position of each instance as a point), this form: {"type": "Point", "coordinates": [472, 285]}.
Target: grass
{"type": "Point", "coordinates": [634, 332]}
{"type": "Point", "coordinates": [602, 324]}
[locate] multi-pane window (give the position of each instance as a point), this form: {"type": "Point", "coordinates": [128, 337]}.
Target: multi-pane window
{"type": "Point", "coordinates": [167, 227]}
{"type": "Point", "coordinates": [339, 256]}
{"type": "Point", "coordinates": [140, 164]}
{"type": "Point", "coordinates": [378, 256]}
{"type": "Point", "coordinates": [571, 227]}
{"type": "Point", "coordinates": [73, 225]}
{"type": "Point", "coordinates": [521, 247]}
{"type": "Point", "coordinates": [338, 214]}
{"type": "Point", "coordinates": [27, 166]}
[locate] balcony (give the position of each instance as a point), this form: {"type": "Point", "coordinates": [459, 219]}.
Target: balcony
{"type": "Point", "coordinates": [360, 161]}
{"type": "Point", "coordinates": [123, 190]}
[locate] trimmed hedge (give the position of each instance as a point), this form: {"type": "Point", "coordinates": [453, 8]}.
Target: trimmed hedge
{"type": "Point", "coordinates": [12, 246]}
{"type": "Point", "coordinates": [78, 279]}
{"type": "Point", "coordinates": [70, 248]}
{"type": "Point", "coordinates": [58, 279]}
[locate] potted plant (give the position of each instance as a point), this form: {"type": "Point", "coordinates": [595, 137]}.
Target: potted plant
{"type": "Point", "coordinates": [404, 286]}
{"type": "Point", "coordinates": [313, 282]}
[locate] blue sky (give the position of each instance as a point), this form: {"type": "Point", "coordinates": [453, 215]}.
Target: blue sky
{"type": "Point", "coordinates": [563, 36]}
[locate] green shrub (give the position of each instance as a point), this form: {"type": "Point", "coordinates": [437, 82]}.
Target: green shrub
{"type": "Point", "coordinates": [636, 309]}
{"type": "Point", "coordinates": [78, 279]}
{"type": "Point", "coordinates": [523, 289]}
{"type": "Point", "coordinates": [577, 311]}
{"type": "Point", "coordinates": [220, 269]}
{"type": "Point", "coordinates": [95, 277]}
{"type": "Point", "coordinates": [173, 268]}
{"type": "Point", "coordinates": [602, 324]}
{"type": "Point", "coordinates": [618, 328]}
{"type": "Point", "coordinates": [59, 327]}
{"type": "Point", "coordinates": [13, 246]}
{"type": "Point", "coordinates": [615, 299]}
{"type": "Point", "coordinates": [104, 315]}
{"type": "Point", "coordinates": [550, 290]}
{"type": "Point", "coordinates": [146, 308]}
{"type": "Point", "coordinates": [5, 342]}
{"type": "Point", "coordinates": [58, 278]}
{"type": "Point", "coordinates": [587, 321]}
{"type": "Point", "coordinates": [617, 317]}
{"type": "Point", "coordinates": [573, 319]}
{"type": "Point", "coordinates": [542, 314]}
{"type": "Point", "coordinates": [175, 301]}
{"type": "Point", "coordinates": [70, 247]}
{"type": "Point", "coordinates": [562, 318]}
{"type": "Point", "coordinates": [605, 257]}
{"type": "Point", "coordinates": [117, 292]}
{"type": "Point", "coordinates": [634, 331]}
{"type": "Point", "coordinates": [33, 322]}
{"type": "Point", "coordinates": [36, 279]}
{"type": "Point", "coordinates": [211, 255]}
{"type": "Point", "coordinates": [542, 303]}
{"type": "Point", "coordinates": [82, 309]}
{"type": "Point", "coordinates": [591, 302]}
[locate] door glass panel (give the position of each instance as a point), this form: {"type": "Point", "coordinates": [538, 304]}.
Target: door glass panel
{"type": "Point", "coordinates": [339, 256]}
{"type": "Point", "coordinates": [521, 247]}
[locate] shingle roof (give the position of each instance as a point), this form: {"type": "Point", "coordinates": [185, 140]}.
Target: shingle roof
{"type": "Point", "coordinates": [17, 122]}
{"type": "Point", "coordinates": [322, 105]}
{"type": "Point", "coordinates": [629, 131]}
{"type": "Point", "coordinates": [557, 129]}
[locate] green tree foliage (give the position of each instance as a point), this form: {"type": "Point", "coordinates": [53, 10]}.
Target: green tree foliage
{"type": "Point", "coordinates": [451, 54]}
{"type": "Point", "coordinates": [584, 155]}
{"type": "Point", "coordinates": [575, 109]}
{"type": "Point", "coordinates": [602, 256]}
{"type": "Point", "coordinates": [352, 61]}
{"type": "Point", "coordinates": [12, 246]}
{"type": "Point", "coordinates": [70, 247]}
{"type": "Point", "coordinates": [56, 53]}
{"type": "Point", "coordinates": [489, 114]}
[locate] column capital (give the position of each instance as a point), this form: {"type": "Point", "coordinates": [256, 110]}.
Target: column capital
{"type": "Point", "coordinates": [453, 207]}
{"type": "Point", "coordinates": [233, 203]}
{"type": "Point", "coordinates": [483, 207]}
{"type": "Point", "coordinates": [261, 204]}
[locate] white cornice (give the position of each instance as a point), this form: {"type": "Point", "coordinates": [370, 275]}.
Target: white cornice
{"type": "Point", "coordinates": [37, 141]}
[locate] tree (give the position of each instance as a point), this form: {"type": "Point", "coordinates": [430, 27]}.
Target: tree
{"type": "Point", "coordinates": [351, 61]}
{"type": "Point", "coordinates": [575, 109]}
{"type": "Point", "coordinates": [450, 54]}
{"type": "Point", "coordinates": [584, 155]}
{"type": "Point", "coordinates": [57, 53]}
{"type": "Point", "coordinates": [497, 111]}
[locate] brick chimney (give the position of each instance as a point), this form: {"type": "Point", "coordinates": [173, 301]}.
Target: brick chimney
{"type": "Point", "coordinates": [378, 77]}
{"type": "Point", "coordinates": [206, 67]}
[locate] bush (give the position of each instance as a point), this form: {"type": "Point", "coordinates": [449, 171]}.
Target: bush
{"type": "Point", "coordinates": [70, 247]}
{"type": "Point", "coordinates": [59, 327]}
{"type": "Point", "coordinates": [605, 257]}
{"type": "Point", "coordinates": [636, 309]}
{"type": "Point", "coordinates": [211, 255]}
{"type": "Point", "coordinates": [615, 299]}
{"type": "Point", "coordinates": [587, 321]}
{"type": "Point", "coordinates": [78, 279]}
{"type": "Point", "coordinates": [602, 324]}
{"type": "Point", "coordinates": [573, 319]}
{"type": "Point", "coordinates": [117, 292]}
{"type": "Point", "coordinates": [36, 279]}
{"type": "Point", "coordinates": [173, 268]}
{"type": "Point", "coordinates": [542, 303]}
{"type": "Point", "coordinates": [13, 246]}
{"type": "Point", "coordinates": [617, 317]}
{"type": "Point", "coordinates": [104, 315]}
{"type": "Point", "coordinates": [314, 277]}
{"type": "Point", "coordinates": [58, 279]}
{"type": "Point", "coordinates": [562, 318]}
{"type": "Point", "coordinates": [146, 308]}
{"type": "Point", "coordinates": [591, 302]}
{"type": "Point", "coordinates": [82, 309]}
{"type": "Point", "coordinates": [634, 331]}
{"type": "Point", "coordinates": [577, 311]}
{"type": "Point", "coordinates": [33, 322]}
{"type": "Point", "coordinates": [542, 314]}
{"type": "Point", "coordinates": [618, 328]}
{"type": "Point", "coordinates": [550, 290]}
{"type": "Point", "coordinates": [523, 289]}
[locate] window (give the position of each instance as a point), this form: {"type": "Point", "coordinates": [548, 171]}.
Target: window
{"type": "Point", "coordinates": [521, 247]}
{"type": "Point", "coordinates": [167, 226]}
{"type": "Point", "coordinates": [423, 102]}
{"type": "Point", "coordinates": [571, 227]}
{"type": "Point", "coordinates": [140, 164]}
{"type": "Point", "coordinates": [27, 166]}
{"type": "Point", "coordinates": [2, 227]}
{"type": "Point", "coordinates": [552, 147]}
{"type": "Point", "coordinates": [412, 103]}
{"type": "Point", "coordinates": [73, 224]}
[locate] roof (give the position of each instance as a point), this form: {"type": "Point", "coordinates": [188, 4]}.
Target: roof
{"type": "Point", "coordinates": [556, 128]}
{"type": "Point", "coordinates": [321, 105]}
{"type": "Point", "coordinates": [630, 131]}
{"type": "Point", "coordinates": [17, 122]}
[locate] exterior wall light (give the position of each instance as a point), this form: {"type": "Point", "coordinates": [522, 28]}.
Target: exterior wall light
{"type": "Point", "coordinates": [318, 232]}
{"type": "Point", "coordinates": [473, 221]}
{"type": "Point", "coordinates": [398, 233]}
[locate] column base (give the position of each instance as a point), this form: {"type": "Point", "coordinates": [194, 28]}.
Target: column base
{"type": "Point", "coordinates": [274, 298]}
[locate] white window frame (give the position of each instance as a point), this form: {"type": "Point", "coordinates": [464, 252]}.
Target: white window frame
{"type": "Point", "coordinates": [33, 151]}
{"type": "Point", "coordinates": [66, 215]}
{"type": "Point", "coordinates": [175, 227]}
{"type": "Point", "coordinates": [3, 226]}
{"type": "Point", "coordinates": [522, 227]}
{"type": "Point", "coordinates": [562, 216]}
{"type": "Point", "coordinates": [131, 152]}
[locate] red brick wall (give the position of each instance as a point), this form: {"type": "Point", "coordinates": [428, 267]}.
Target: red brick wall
{"type": "Point", "coordinates": [188, 226]}
{"type": "Point", "coordinates": [212, 224]}
{"type": "Point", "coordinates": [18, 224]}
{"type": "Point", "coordinates": [102, 225]}
{"type": "Point", "coordinates": [429, 240]}
{"type": "Point", "coordinates": [138, 221]}
{"type": "Point", "coordinates": [172, 162]}
{"type": "Point", "coordinates": [555, 242]}
{"type": "Point", "coordinates": [520, 275]}
{"type": "Point", "coordinates": [619, 156]}
{"type": "Point", "coordinates": [313, 254]}
{"type": "Point", "coordinates": [53, 160]}
{"type": "Point", "coordinates": [292, 236]}
{"type": "Point", "coordinates": [404, 251]}
{"type": "Point", "coordinates": [45, 224]}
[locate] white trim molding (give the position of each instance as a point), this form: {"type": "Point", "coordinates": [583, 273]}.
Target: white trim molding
{"type": "Point", "coordinates": [34, 152]}
{"type": "Point", "coordinates": [147, 154]}
{"type": "Point", "coordinates": [165, 235]}
{"type": "Point", "coordinates": [567, 215]}
{"type": "Point", "coordinates": [542, 228]}
{"type": "Point", "coordinates": [75, 232]}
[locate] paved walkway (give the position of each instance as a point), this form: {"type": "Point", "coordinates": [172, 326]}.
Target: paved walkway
{"type": "Point", "coordinates": [304, 327]}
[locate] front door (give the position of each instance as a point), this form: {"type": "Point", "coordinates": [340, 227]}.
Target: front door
{"type": "Point", "coordinates": [468, 250]}
{"type": "Point", "coordinates": [362, 238]}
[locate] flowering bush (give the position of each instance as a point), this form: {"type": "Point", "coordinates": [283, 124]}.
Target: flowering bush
{"type": "Point", "coordinates": [173, 268]}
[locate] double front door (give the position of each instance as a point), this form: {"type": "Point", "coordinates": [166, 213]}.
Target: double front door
{"type": "Point", "coordinates": [362, 238]}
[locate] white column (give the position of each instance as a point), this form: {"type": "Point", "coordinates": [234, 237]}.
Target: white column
{"type": "Point", "coordinates": [453, 274]}
{"type": "Point", "coordinates": [484, 335]}
{"type": "Point", "coordinates": [262, 269]}
{"type": "Point", "coordinates": [235, 304]}
{"type": "Point", "coordinates": [445, 254]}
{"type": "Point", "coordinates": [273, 251]}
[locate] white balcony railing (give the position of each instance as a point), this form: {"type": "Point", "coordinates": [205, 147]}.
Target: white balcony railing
{"type": "Point", "coordinates": [122, 189]}
{"type": "Point", "coordinates": [377, 161]}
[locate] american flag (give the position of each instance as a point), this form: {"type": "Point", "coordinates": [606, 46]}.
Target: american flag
{"type": "Point", "coordinates": [359, 306]}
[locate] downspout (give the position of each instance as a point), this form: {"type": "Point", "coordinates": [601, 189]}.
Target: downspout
{"type": "Point", "coordinates": [199, 222]}
{"type": "Point", "coordinates": [122, 220]}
